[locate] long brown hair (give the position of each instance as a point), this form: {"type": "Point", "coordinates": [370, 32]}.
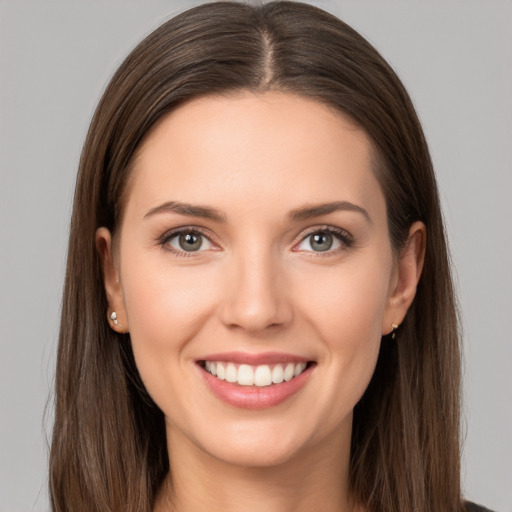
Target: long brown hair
{"type": "Point", "coordinates": [108, 449]}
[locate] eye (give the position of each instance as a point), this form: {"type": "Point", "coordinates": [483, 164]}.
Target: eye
{"type": "Point", "coordinates": [184, 242]}
{"type": "Point", "coordinates": [325, 240]}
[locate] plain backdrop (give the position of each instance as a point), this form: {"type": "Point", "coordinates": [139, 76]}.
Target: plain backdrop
{"type": "Point", "coordinates": [455, 58]}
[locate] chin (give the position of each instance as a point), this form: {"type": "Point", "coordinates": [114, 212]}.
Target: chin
{"type": "Point", "coordinates": [257, 454]}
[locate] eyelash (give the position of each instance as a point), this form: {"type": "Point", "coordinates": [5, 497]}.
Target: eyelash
{"type": "Point", "coordinates": [164, 240]}
{"type": "Point", "coordinates": [343, 237]}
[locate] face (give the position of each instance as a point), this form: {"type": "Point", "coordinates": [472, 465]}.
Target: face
{"type": "Point", "coordinates": [254, 246]}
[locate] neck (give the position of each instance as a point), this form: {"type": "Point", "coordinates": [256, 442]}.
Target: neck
{"type": "Point", "coordinates": [315, 479]}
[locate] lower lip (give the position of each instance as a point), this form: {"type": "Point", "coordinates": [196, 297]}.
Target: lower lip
{"type": "Point", "coordinates": [253, 397]}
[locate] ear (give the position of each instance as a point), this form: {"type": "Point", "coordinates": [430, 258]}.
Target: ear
{"type": "Point", "coordinates": [405, 277]}
{"type": "Point", "coordinates": [111, 281]}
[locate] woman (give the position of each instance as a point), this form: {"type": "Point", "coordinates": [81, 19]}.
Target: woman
{"type": "Point", "coordinates": [258, 309]}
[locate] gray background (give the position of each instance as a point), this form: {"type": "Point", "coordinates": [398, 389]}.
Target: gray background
{"type": "Point", "coordinates": [455, 58]}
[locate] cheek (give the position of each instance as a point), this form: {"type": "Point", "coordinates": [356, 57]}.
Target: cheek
{"type": "Point", "coordinates": [166, 308]}
{"type": "Point", "coordinates": [344, 310]}
{"type": "Point", "coordinates": [347, 303]}
{"type": "Point", "coordinates": [159, 296]}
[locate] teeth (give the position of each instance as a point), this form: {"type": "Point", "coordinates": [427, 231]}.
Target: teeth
{"type": "Point", "coordinates": [247, 375]}
{"type": "Point", "coordinates": [277, 374]}
{"type": "Point", "coordinates": [299, 368]}
{"type": "Point", "coordinates": [231, 373]}
{"type": "Point", "coordinates": [263, 376]}
{"type": "Point", "coordinates": [289, 371]}
{"type": "Point", "coordinates": [221, 371]}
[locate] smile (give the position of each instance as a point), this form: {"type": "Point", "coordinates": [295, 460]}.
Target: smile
{"type": "Point", "coordinates": [255, 381]}
{"type": "Point", "coordinates": [249, 375]}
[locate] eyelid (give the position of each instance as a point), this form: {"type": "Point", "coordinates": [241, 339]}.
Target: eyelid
{"type": "Point", "coordinates": [172, 233]}
{"type": "Point", "coordinates": [344, 237]}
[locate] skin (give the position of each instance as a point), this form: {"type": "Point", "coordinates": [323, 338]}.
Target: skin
{"type": "Point", "coordinates": [257, 284]}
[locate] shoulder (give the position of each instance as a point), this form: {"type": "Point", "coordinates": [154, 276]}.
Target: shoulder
{"type": "Point", "coordinates": [472, 507]}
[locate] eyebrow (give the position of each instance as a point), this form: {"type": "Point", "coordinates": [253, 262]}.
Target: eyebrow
{"type": "Point", "coordinates": [308, 212]}
{"type": "Point", "coordinates": [190, 210]}
{"type": "Point", "coordinates": [298, 214]}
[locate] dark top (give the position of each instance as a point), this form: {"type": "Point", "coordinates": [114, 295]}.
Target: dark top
{"type": "Point", "coordinates": [472, 507]}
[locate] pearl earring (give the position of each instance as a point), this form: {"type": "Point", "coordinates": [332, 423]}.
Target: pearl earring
{"type": "Point", "coordinates": [114, 319]}
{"type": "Point", "coordinates": [393, 332]}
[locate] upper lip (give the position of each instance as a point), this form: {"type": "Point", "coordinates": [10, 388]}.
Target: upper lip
{"type": "Point", "coordinates": [254, 359]}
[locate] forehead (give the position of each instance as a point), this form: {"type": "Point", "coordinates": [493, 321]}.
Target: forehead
{"type": "Point", "coordinates": [272, 147]}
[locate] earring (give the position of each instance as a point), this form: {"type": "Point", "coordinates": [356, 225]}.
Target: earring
{"type": "Point", "coordinates": [393, 332]}
{"type": "Point", "coordinates": [113, 317]}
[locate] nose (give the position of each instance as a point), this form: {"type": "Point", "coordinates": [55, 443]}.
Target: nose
{"type": "Point", "coordinates": [256, 295]}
